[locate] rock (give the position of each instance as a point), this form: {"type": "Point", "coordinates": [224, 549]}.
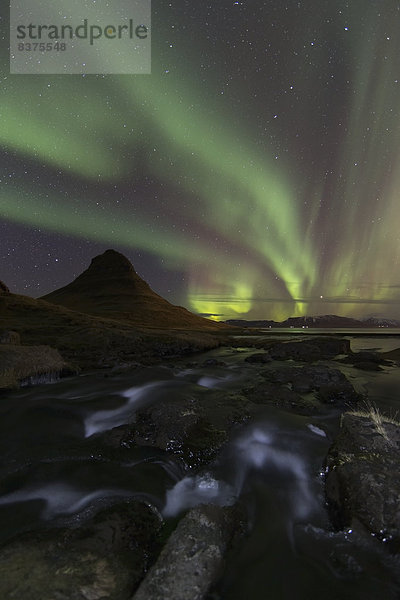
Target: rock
{"type": "Point", "coordinates": [3, 288]}
{"type": "Point", "coordinates": [213, 362]}
{"type": "Point", "coordinates": [294, 351]}
{"type": "Point", "coordinates": [104, 558]}
{"type": "Point", "coordinates": [330, 347]}
{"type": "Point", "coordinates": [363, 477]}
{"type": "Point", "coordinates": [392, 355]}
{"type": "Point", "coordinates": [183, 343]}
{"type": "Point", "coordinates": [30, 365]}
{"type": "Point", "coordinates": [367, 361]}
{"type": "Point", "coordinates": [286, 383]}
{"type": "Point", "coordinates": [10, 337]}
{"type": "Point", "coordinates": [305, 379]}
{"type": "Point", "coordinates": [310, 350]}
{"type": "Point", "coordinates": [365, 357]}
{"type": "Point", "coordinates": [193, 557]}
{"type": "Point", "coordinates": [368, 366]}
{"type": "Point", "coordinates": [122, 368]}
{"type": "Point", "coordinates": [260, 357]}
{"type": "Point", "coordinates": [281, 397]}
{"type": "Point", "coordinates": [192, 428]}
{"type": "Point", "coordinates": [341, 394]}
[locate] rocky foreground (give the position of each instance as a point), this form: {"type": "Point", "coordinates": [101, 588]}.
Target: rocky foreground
{"type": "Point", "coordinates": [363, 476]}
{"type": "Point", "coordinates": [127, 551]}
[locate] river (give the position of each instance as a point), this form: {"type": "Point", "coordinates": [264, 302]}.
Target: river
{"type": "Point", "coordinates": [51, 474]}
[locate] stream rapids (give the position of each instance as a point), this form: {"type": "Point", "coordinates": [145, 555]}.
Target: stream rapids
{"type": "Point", "coordinates": [274, 464]}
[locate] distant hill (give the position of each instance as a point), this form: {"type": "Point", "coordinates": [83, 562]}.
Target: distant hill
{"type": "Point", "coordinates": [323, 322]}
{"type": "Point", "coordinates": [375, 322]}
{"type": "Point", "coordinates": [257, 324]}
{"type": "Point", "coordinates": [111, 288]}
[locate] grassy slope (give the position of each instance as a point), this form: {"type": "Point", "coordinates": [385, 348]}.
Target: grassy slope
{"type": "Point", "coordinates": [91, 341]}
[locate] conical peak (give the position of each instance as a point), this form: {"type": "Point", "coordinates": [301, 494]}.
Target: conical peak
{"type": "Point", "coordinates": [111, 288]}
{"type": "Point", "coordinates": [110, 278]}
{"type": "Point", "coordinates": [111, 262]}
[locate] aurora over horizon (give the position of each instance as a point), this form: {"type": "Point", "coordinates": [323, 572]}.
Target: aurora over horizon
{"type": "Point", "coordinates": [254, 174]}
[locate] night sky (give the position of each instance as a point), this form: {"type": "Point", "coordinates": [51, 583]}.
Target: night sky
{"type": "Point", "coordinates": [254, 174]}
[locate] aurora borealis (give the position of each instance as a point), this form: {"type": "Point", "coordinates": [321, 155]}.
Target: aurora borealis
{"type": "Point", "coordinates": [254, 174]}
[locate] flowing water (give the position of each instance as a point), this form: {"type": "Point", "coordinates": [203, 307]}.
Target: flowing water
{"type": "Point", "coordinates": [53, 473]}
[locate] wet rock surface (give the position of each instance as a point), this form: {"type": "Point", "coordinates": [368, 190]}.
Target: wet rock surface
{"type": "Point", "coordinates": [309, 350]}
{"type": "Point", "coordinates": [340, 394]}
{"type": "Point", "coordinates": [193, 428]}
{"type": "Point", "coordinates": [367, 366]}
{"type": "Point", "coordinates": [281, 397]}
{"type": "Point", "coordinates": [193, 557]}
{"type": "Point", "coordinates": [305, 379]}
{"type": "Point", "coordinates": [259, 357]}
{"type": "Point", "coordinates": [392, 355]}
{"type": "Point", "coordinates": [363, 478]}
{"type": "Point", "coordinates": [104, 558]}
{"type": "Point", "coordinates": [366, 361]}
{"type": "Point", "coordinates": [303, 389]}
{"type": "Point", "coordinates": [213, 362]}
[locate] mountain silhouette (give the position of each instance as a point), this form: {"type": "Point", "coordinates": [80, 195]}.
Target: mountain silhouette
{"type": "Point", "coordinates": [111, 288]}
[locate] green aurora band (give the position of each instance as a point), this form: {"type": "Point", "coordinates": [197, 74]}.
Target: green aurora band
{"type": "Point", "coordinates": [276, 240]}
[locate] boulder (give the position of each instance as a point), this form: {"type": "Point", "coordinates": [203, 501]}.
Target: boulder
{"type": "Point", "coordinates": [341, 394]}
{"type": "Point", "coordinates": [311, 349]}
{"type": "Point", "coordinates": [392, 355]}
{"type": "Point", "coordinates": [194, 429]}
{"type": "Point", "coordinates": [285, 384]}
{"type": "Point", "coordinates": [259, 357]}
{"type": "Point", "coordinates": [104, 558]}
{"type": "Point", "coordinates": [193, 557]}
{"type": "Point", "coordinates": [213, 362]}
{"type": "Point", "coordinates": [368, 366]}
{"type": "Point", "coordinates": [281, 397]}
{"type": "Point", "coordinates": [367, 361]}
{"type": "Point", "coordinates": [363, 476]}
{"type": "Point", "coordinates": [329, 347]}
{"type": "Point", "coordinates": [305, 379]}
{"type": "Point", "coordinates": [301, 351]}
